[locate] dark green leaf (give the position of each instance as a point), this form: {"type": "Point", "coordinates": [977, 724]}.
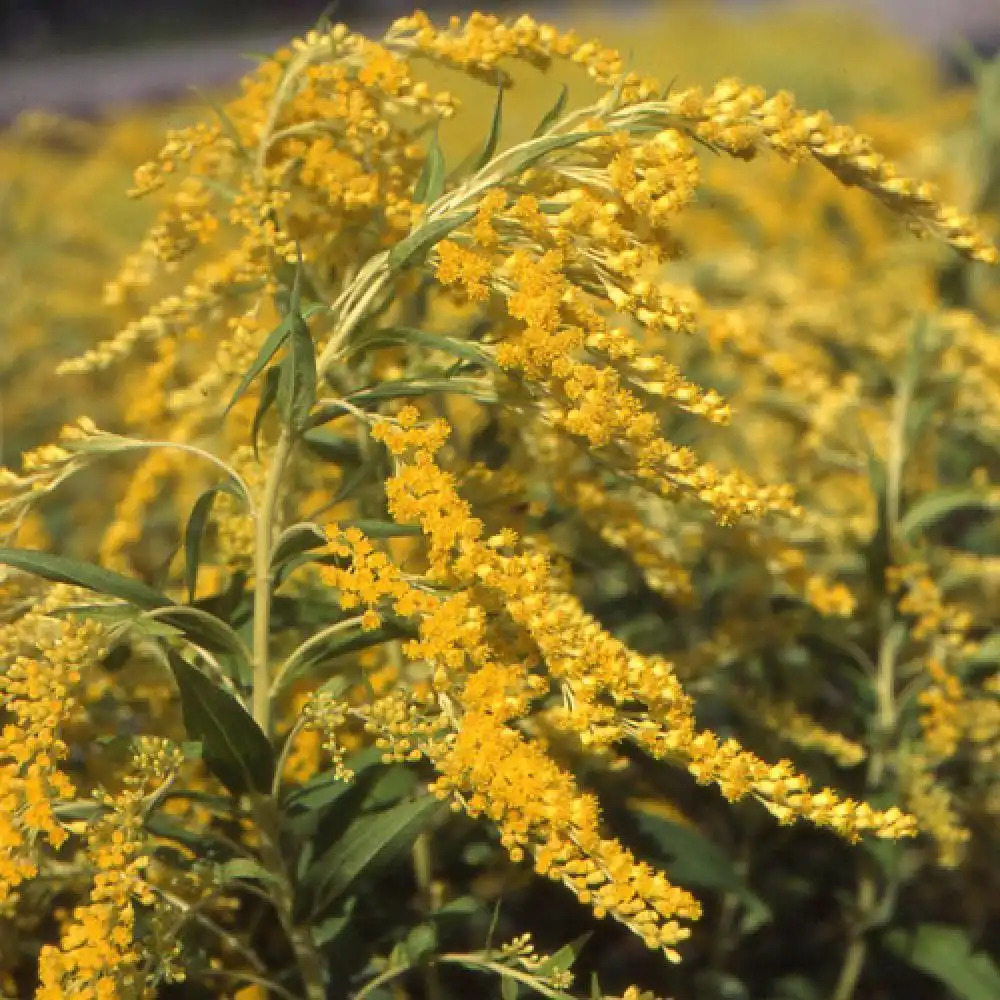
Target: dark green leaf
{"type": "Point", "coordinates": [403, 335]}
{"type": "Point", "coordinates": [563, 959]}
{"type": "Point", "coordinates": [204, 629]}
{"type": "Point", "coordinates": [234, 747]}
{"type": "Point", "coordinates": [420, 942]}
{"type": "Point", "coordinates": [430, 183]}
{"type": "Point", "coordinates": [538, 148]}
{"type": "Point", "coordinates": [331, 447]}
{"type": "Point", "coordinates": [296, 539]}
{"type": "Point", "coordinates": [333, 926]}
{"type": "Point", "coordinates": [62, 569]}
{"type": "Point", "coordinates": [268, 349]}
{"type": "Point", "coordinates": [933, 508]}
{"type": "Point", "coordinates": [195, 531]}
{"type": "Point", "coordinates": [424, 237]}
{"type": "Point", "coordinates": [945, 952]}
{"type": "Point", "coordinates": [202, 844]}
{"type": "Point", "coordinates": [244, 869]}
{"type": "Point", "coordinates": [553, 113]}
{"type": "Point", "coordinates": [692, 859]}
{"type": "Point", "coordinates": [296, 392]}
{"type": "Point", "coordinates": [369, 842]}
{"type": "Point", "coordinates": [493, 136]}
{"type": "Point", "coordinates": [406, 387]}
{"type": "Point", "coordinates": [268, 394]}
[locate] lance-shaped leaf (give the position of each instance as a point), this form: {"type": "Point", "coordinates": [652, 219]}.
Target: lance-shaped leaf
{"type": "Point", "coordinates": [61, 569]}
{"type": "Point", "coordinates": [430, 183]}
{"type": "Point", "coordinates": [550, 116]}
{"type": "Point", "coordinates": [297, 381]}
{"type": "Point", "coordinates": [268, 394]}
{"type": "Point", "coordinates": [493, 136]}
{"type": "Point", "coordinates": [946, 953]}
{"type": "Point", "coordinates": [371, 841]}
{"type": "Point", "coordinates": [407, 387]}
{"type": "Point", "coordinates": [519, 158]}
{"type": "Point", "coordinates": [933, 508]}
{"type": "Point", "coordinates": [195, 531]}
{"type": "Point", "coordinates": [272, 344]}
{"type": "Point", "coordinates": [424, 237]}
{"type": "Point", "coordinates": [296, 539]}
{"type": "Point", "coordinates": [234, 748]}
{"type": "Point", "coordinates": [405, 335]}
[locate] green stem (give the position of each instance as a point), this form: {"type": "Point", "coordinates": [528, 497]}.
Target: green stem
{"type": "Point", "coordinates": [267, 517]}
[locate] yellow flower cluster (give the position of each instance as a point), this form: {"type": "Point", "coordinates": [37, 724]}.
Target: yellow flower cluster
{"type": "Point", "coordinates": [97, 957]}
{"type": "Point", "coordinates": [43, 655]}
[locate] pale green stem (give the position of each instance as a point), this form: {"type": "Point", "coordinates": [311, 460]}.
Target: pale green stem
{"type": "Point", "coordinates": [885, 698]}
{"type": "Point", "coordinates": [295, 657]}
{"type": "Point", "coordinates": [263, 577]}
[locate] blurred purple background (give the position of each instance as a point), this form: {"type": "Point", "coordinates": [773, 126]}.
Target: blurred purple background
{"type": "Point", "coordinates": [84, 57]}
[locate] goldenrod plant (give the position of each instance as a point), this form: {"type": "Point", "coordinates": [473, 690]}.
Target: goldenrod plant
{"type": "Point", "coordinates": [483, 525]}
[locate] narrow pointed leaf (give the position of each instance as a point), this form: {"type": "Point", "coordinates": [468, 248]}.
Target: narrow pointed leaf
{"type": "Point", "coordinates": [493, 136]}
{"type": "Point", "coordinates": [553, 113]}
{"type": "Point", "coordinates": [946, 953]}
{"type": "Point", "coordinates": [933, 508]}
{"type": "Point", "coordinates": [430, 183]}
{"type": "Point", "coordinates": [373, 840]}
{"type": "Point", "coordinates": [234, 748]}
{"type": "Point", "coordinates": [424, 237]}
{"type": "Point", "coordinates": [195, 532]}
{"type": "Point", "coordinates": [296, 391]}
{"type": "Point", "coordinates": [404, 335]}
{"type": "Point", "coordinates": [268, 349]}
{"type": "Point", "coordinates": [268, 394]}
{"type": "Point", "coordinates": [61, 569]}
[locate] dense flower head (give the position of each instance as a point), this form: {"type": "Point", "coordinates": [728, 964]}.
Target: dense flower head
{"type": "Point", "coordinates": [514, 467]}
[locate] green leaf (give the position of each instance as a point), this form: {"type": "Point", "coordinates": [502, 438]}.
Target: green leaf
{"type": "Point", "coordinates": [553, 113]}
{"type": "Point", "coordinates": [424, 237]}
{"type": "Point", "coordinates": [348, 641]}
{"type": "Point", "coordinates": [331, 447]}
{"type": "Point", "coordinates": [371, 841]}
{"type": "Point", "coordinates": [692, 859]}
{"type": "Point", "coordinates": [291, 324]}
{"type": "Point", "coordinates": [268, 349]}
{"type": "Point", "coordinates": [988, 651]}
{"type": "Point", "coordinates": [945, 952]}
{"type": "Point", "coordinates": [536, 149]}
{"type": "Point", "coordinates": [244, 869]}
{"type": "Point", "coordinates": [324, 789]}
{"type": "Point", "coordinates": [205, 629]}
{"type": "Point", "coordinates": [933, 508]}
{"type": "Point", "coordinates": [493, 136]}
{"type": "Point", "coordinates": [420, 942]}
{"type": "Point", "coordinates": [195, 531]}
{"type": "Point", "coordinates": [430, 183]}
{"type": "Point", "coordinates": [234, 748]}
{"type": "Point", "coordinates": [61, 569]}
{"type": "Point", "coordinates": [407, 387]}
{"type": "Point", "coordinates": [296, 539]}
{"type": "Point", "coordinates": [404, 335]}
{"type": "Point", "coordinates": [563, 959]}
{"type": "Point", "coordinates": [268, 394]}
{"type": "Point", "coordinates": [332, 927]}
{"type": "Point", "coordinates": [296, 391]}
{"type": "Point", "coordinates": [508, 988]}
